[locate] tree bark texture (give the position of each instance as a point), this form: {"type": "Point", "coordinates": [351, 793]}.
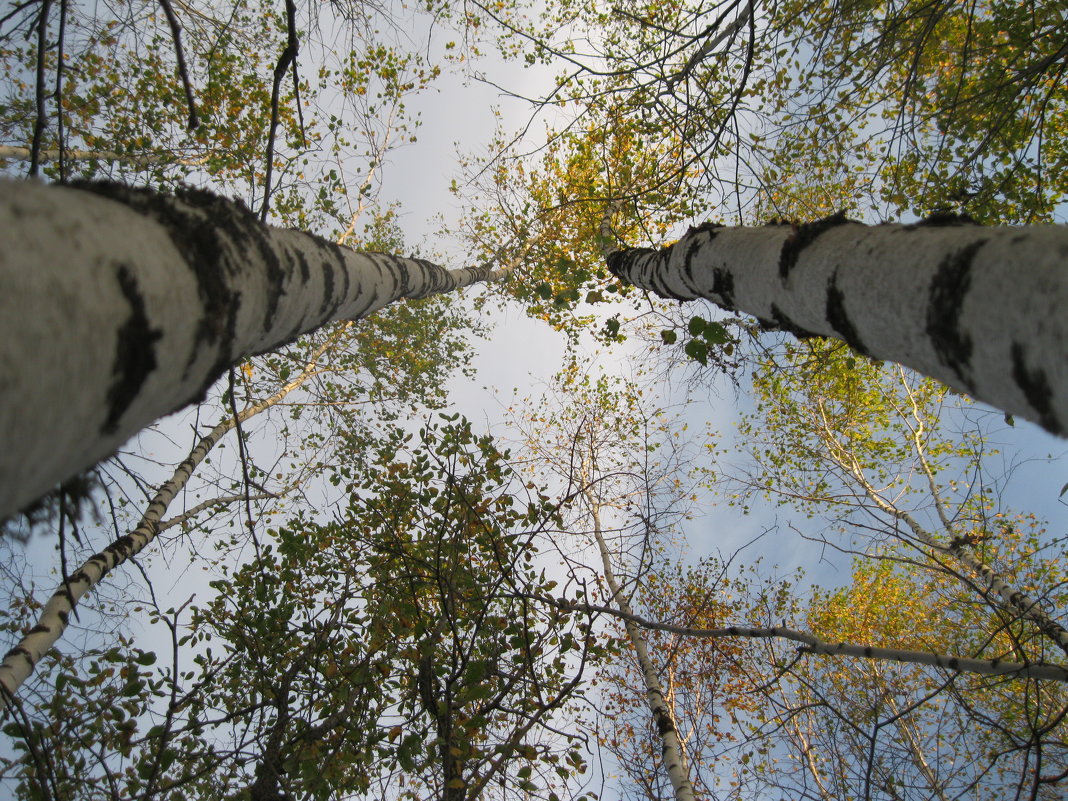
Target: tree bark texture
{"type": "Point", "coordinates": [120, 305]}
{"type": "Point", "coordinates": [18, 664]}
{"type": "Point", "coordinates": [980, 309]}
{"type": "Point", "coordinates": [670, 745]}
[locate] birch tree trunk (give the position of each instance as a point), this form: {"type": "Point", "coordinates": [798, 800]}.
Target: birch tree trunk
{"type": "Point", "coordinates": [18, 663]}
{"type": "Point", "coordinates": [120, 305]}
{"type": "Point", "coordinates": [671, 746]}
{"type": "Point", "coordinates": [980, 309]}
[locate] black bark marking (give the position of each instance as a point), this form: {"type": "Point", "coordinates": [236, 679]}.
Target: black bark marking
{"type": "Point", "coordinates": [193, 219]}
{"type": "Point", "coordinates": [1034, 383]}
{"type": "Point", "coordinates": [780, 321]}
{"type": "Point", "coordinates": [200, 225]}
{"type": "Point", "coordinates": [627, 264]}
{"type": "Point", "coordinates": [801, 237]}
{"type": "Point", "coordinates": [346, 289]}
{"type": "Point", "coordinates": [135, 353]}
{"type": "Point", "coordinates": [945, 302]}
{"type": "Point", "coordinates": [276, 274]}
{"type": "Point", "coordinates": [693, 246]}
{"type": "Point", "coordinates": [19, 651]}
{"type": "Point", "coordinates": [328, 287]}
{"type": "Point", "coordinates": [942, 219]}
{"type": "Point", "coordinates": [664, 723]}
{"type": "Point", "coordinates": [695, 243]}
{"type": "Point", "coordinates": [40, 628]}
{"type": "Point", "coordinates": [723, 286]}
{"type": "Point", "coordinates": [838, 317]}
{"type": "Point", "coordinates": [122, 546]}
{"type": "Point", "coordinates": [305, 271]}
{"type": "Point", "coordinates": [709, 228]}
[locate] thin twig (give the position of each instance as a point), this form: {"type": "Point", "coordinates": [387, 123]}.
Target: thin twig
{"type": "Point", "coordinates": [288, 56]}
{"type": "Point", "coordinates": [59, 88]}
{"type": "Point", "coordinates": [40, 121]}
{"type": "Point", "coordinates": [183, 72]}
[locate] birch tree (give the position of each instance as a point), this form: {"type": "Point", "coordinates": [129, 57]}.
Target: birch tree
{"type": "Point", "coordinates": [674, 762]}
{"type": "Point", "coordinates": [602, 444]}
{"type": "Point", "coordinates": [883, 469]}
{"type": "Point", "coordinates": [149, 299]}
{"type": "Point", "coordinates": [945, 315]}
{"type": "Point", "coordinates": [976, 308]}
{"type": "Point", "coordinates": [951, 300]}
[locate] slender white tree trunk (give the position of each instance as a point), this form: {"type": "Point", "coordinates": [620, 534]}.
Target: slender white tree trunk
{"type": "Point", "coordinates": [20, 661]}
{"type": "Point", "coordinates": [980, 309]}
{"type": "Point", "coordinates": [671, 746]}
{"type": "Point", "coordinates": [119, 305]}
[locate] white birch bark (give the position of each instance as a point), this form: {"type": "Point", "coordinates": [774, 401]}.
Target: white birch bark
{"type": "Point", "coordinates": [980, 309]}
{"type": "Point", "coordinates": [991, 582]}
{"type": "Point", "coordinates": [118, 306]}
{"type": "Point", "coordinates": [671, 747]}
{"type": "Point", "coordinates": [19, 662]}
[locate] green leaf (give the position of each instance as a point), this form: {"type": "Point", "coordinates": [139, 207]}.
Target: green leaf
{"type": "Point", "coordinates": [698, 351]}
{"type": "Point", "coordinates": [669, 336]}
{"type": "Point", "coordinates": [544, 291]}
{"type": "Point", "coordinates": [715, 334]}
{"type": "Point", "coordinates": [697, 325]}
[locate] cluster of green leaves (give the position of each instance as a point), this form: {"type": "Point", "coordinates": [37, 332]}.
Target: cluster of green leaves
{"type": "Point", "coordinates": [121, 93]}
{"type": "Point", "coordinates": [400, 649]}
{"type": "Point", "coordinates": [454, 578]}
{"type": "Point", "coordinates": [87, 726]}
{"type": "Point", "coordinates": [921, 106]}
{"type": "Point", "coordinates": [827, 418]}
{"type": "Point", "coordinates": [895, 467]}
{"type": "Point", "coordinates": [909, 730]}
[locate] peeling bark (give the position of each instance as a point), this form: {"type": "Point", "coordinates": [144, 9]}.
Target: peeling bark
{"type": "Point", "coordinates": [980, 309]}
{"type": "Point", "coordinates": [120, 305]}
